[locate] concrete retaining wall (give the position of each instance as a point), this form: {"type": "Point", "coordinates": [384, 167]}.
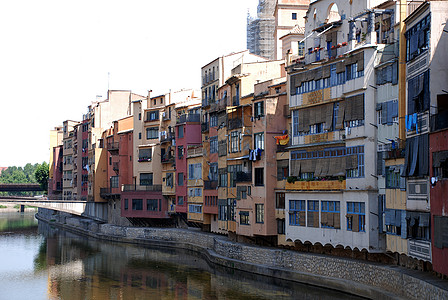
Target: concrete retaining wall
{"type": "Point", "coordinates": [361, 278]}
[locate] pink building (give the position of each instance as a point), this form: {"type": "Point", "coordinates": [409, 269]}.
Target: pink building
{"type": "Point", "coordinates": [188, 132]}
{"type": "Point", "coordinates": [55, 182]}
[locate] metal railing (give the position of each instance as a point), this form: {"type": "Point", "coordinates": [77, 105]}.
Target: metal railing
{"type": "Point", "coordinates": [114, 146]}
{"type": "Point", "coordinates": [234, 123]}
{"type": "Point", "coordinates": [243, 177]}
{"type": "Point", "coordinates": [135, 187]}
{"type": "Point", "coordinates": [204, 126]}
{"type": "Point", "coordinates": [188, 118]}
{"type": "Point", "coordinates": [439, 121]}
{"type": "Point", "coordinates": [210, 184]}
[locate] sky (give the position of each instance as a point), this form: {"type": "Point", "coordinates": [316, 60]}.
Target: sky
{"type": "Point", "coordinates": [56, 56]}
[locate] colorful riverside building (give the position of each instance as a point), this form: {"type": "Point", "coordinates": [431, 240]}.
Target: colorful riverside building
{"type": "Point", "coordinates": [150, 198]}
{"type": "Point", "coordinates": [118, 141]}
{"type": "Point", "coordinates": [68, 179]}
{"type": "Point", "coordinates": [55, 164]}
{"type": "Point", "coordinates": [331, 197]}
{"type": "Point", "coordinates": [415, 225]}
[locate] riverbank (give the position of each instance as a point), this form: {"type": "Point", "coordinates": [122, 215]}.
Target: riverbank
{"type": "Point", "coordinates": [370, 280]}
{"type": "Point", "coordinates": [12, 207]}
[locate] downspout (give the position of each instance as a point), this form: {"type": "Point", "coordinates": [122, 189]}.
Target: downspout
{"type": "Point", "coordinates": [402, 72]}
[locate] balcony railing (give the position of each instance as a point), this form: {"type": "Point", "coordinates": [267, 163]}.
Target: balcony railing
{"type": "Point", "coordinates": [115, 166]}
{"type": "Point", "coordinates": [167, 138]}
{"type": "Point", "coordinates": [194, 151]}
{"type": "Point", "coordinates": [188, 118]}
{"type": "Point", "coordinates": [234, 123]}
{"type": "Point", "coordinates": [327, 185]}
{"type": "Point", "coordinates": [243, 177]}
{"type": "Point", "coordinates": [210, 184]}
{"type": "Point", "coordinates": [204, 126]}
{"type": "Point", "coordinates": [134, 187]}
{"type": "Point", "coordinates": [439, 121]}
{"type": "Point", "coordinates": [166, 159]}
{"type": "Point", "coordinates": [222, 104]}
{"type": "Point", "coordinates": [113, 146]}
{"type": "Point", "coordinates": [108, 193]}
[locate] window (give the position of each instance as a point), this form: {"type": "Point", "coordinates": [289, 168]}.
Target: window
{"type": "Point", "coordinates": [313, 213]}
{"type": "Point", "coordinates": [294, 16]}
{"type": "Point", "coordinates": [180, 152]}
{"type": "Point", "coordinates": [282, 169]}
{"type": "Point", "coordinates": [234, 141]}
{"type": "Point", "coordinates": [213, 120]}
{"type": "Point", "coordinates": [317, 128]}
{"type": "Point", "coordinates": [280, 200]}
{"type": "Point", "coordinates": [146, 179]}
{"type": "Point", "coordinates": [145, 154]}
{"type": "Point", "coordinates": [393, 177]}
{"type": "Point", "coordinates": [259, 109]}
{"type": "Point", "coordinates": [139, 135]}
{"type": "Point", "coordinates": [194, 192]}
{"type": "Point", "coordinates": [152, 133]}
{"type": "Point", "coordinates": [330, 214]}
{"type": "Point", "coordinates": [356, 216]}
{"type": "Point", "coordinates": [301, 48]}
{"type": "Point", "coordinates": [126, 204]}
{"type": "Point", "coordinates": [180, 131]}
{"type": "Point", "coordinates": [233, 170]}
{"type": "Point", "coordinates": [259, 140]}
{"type": "Point", "coordinates": [213, 172]}
{"type": "Point", "coordinates": [114, 181]}
{"type": "Point", "coordinates": [297, 212]}
{"type": "Point", "coordinates": [169, 179]}
{"type": "Point", "coordinates": [357, 171]}
{"type": "Point", "coordinates": [222, 212]}
{"type": "Point", "coordinates": [244, 218]}
{"type": "Point", "coordinates": [195, 208]}
{"type": "Point", "coordinates": [281, 226]}
{"type": "Point", "coordinates": [195, 171]}
{"type": "Point", "coordinates": [137, 204]}
{"type": "Point", "coordinates": [295, 122]}
{"type": "Point", "coordinates": [180, 200]}
{"type": "Point", "coordinates": [393, 222]}
{"type": "Point", "coordinates": [214, 144]}
{"type": "Point", "coordinates": [259, 176]}
{"type": "Point", "coordinates": [259, 209]}
{"type": "Point", "coordinates": [180, 179]}
{"type": "Point", "coordinates": [417, 38]}
{"type": "Point", "coordinates": [352, 71]}
{"type": "Point", "coordinates": [222, 182]}
{"type": "Point", "coordinates": [152, 115]}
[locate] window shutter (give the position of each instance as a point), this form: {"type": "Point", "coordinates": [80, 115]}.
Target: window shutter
{"type": "Point", "coordinates": [404, 227]}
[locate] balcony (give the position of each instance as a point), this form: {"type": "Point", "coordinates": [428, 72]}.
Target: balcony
{"type": "Point", "coordinates": [113, 146]}
{"type": "Point", "coordinates": [188, 118]}
{"type": "Point", "coordinates": [439, 121]}
{"type": "Point", "coordinates": [167, 159]}
{"type": "Point", "coordinates": [109, 193]}
{"type": "Point", "coordinates": [222, 104]}
{"type": "Point", "coordinates": [194, 151]}
{"type": "Point", "coordinates": [325, 185]}
{"type": "Point", "coordinates": [134, 187]}
{"type": "Point", "coordinates": [205, 126]}
{"type": "Point", "coordinates": [243, 177]}
{"type": "Point", "coordinates": [167, 138]}
{"type": "Point", "coordinates": [210, 184]}
{"type": "Point", "coordinates": [234, 123]}
{"type": "Point", "coordinates": [115, 166]}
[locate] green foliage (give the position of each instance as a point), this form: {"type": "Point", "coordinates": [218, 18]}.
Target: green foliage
{"type": "Point", "coordinates": [291, 179]}
{"type": "Point", "coordinates": [41, 174]}
{"type": "Point", "coordinates": [27, 174]}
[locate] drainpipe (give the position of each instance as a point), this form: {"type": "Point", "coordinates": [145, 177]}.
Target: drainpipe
{"type": "Point", "coordinates": [402, 72]}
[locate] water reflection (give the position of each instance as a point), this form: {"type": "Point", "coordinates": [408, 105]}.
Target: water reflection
{"type": "Point", "coordinates": [49, 263]}
{"type": "Point", "coordinates": [81, 268]}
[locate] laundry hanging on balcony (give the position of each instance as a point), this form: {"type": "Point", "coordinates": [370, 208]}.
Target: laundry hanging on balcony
{"type": "Point", "coordinates": [282, 140]}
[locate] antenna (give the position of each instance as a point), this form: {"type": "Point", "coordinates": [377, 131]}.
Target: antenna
{"type": "Point", "coordinates": [108, 80]}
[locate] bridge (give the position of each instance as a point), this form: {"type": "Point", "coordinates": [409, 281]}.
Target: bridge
{"type": "Point", "coordinates": [20, 187]}
{"type": "Point", "coordinates": [93, 210]}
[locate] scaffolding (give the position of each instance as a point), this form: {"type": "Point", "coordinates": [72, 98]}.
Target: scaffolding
{"type": "Point", "coordinates": [260, 30]}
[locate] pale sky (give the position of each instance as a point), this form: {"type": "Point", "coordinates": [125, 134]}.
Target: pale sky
{"type": "Point", "coordinates": [55, 57]}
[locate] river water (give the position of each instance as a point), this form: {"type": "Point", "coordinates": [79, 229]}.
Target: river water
{"type": "Point", "coordinates": [39, 261]}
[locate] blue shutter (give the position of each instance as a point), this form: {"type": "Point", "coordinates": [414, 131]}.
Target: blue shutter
{"type": "Point", "coordinates": [403, 225]}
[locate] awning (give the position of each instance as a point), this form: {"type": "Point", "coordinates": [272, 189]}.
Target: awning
{"type": "Point", "coordinates": [239, 158]}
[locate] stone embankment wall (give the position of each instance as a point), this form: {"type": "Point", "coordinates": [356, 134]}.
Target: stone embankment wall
{"type": "Point", "coordinates": [375, 281]}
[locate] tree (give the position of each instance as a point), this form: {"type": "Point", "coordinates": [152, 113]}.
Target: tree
{"type": "Point", "coordinates": [41, 174]}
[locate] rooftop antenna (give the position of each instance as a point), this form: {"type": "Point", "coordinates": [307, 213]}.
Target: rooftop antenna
{"type": "Point", "coordinates": [108, 80]}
